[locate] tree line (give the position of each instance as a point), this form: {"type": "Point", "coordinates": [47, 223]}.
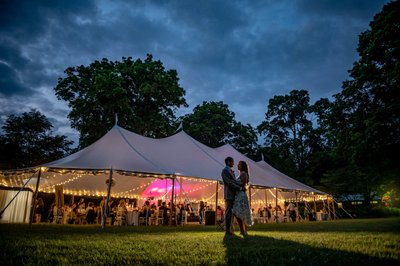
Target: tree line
{"type": "Point", "coordinates": [345, 145]}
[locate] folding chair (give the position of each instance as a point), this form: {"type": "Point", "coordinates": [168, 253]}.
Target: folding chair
{"type": "Point", "coordinates": [144, 220]}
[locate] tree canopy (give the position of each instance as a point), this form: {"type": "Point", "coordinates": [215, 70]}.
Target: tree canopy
{"type": "Point", "coordinates": [365, 115]}
{"type": "Point", "coordinates": [143, 93]}
{"type": "Point", "coordinates": [290, 138]}
{"type": "Point", "coordinates": [29, 141]}
{"type": "Point", "coordinates": [213, 124]}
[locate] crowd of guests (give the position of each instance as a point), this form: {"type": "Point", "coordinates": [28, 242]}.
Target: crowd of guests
{"type": "Point", "coordinates": [277, 213]}
{"type": "Point", "coordinates": [150, 213]}
{"type": "Point", "coordinates": [291, 212]}
{"type": "Point", "coordinates": [117, 211]}
{"type": "Point", "coordinates": [75, 213]}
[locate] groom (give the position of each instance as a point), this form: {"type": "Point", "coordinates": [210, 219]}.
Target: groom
{"type": "Point", "coordinates": [231, 186]}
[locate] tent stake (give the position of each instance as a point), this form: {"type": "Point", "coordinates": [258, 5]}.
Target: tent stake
{"type": "Point", "coordinates": [103, 221]}
{"type": "Point", "coordinates": [35, 197]}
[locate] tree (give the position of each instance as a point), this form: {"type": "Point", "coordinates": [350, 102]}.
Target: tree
{"type": "Point", "coordinates": [244, 139]}
{"type": "Point", "coordinates": [143, 94]}
{"type": "Point", "coordinates": [366, 113]}
{"type": "Point", "coordinates": [28, 141]}
{"type": "Point", "coordinates": [213, 124]}
{"type": "Point", "coordinates": [290, 137]}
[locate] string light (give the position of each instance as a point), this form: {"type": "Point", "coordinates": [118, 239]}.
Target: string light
{"type": "Point", "coordinates": [213, 195]}
{"type": "Point", "coordinates": [52, 187]}
{"type": "Point", "coordinates": [16, 178]}
{"type": "Point", "coordinates": [136, 188]}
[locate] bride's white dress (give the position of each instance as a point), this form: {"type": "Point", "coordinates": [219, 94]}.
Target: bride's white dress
{"type": "Point", "coordinates": [241, 208]}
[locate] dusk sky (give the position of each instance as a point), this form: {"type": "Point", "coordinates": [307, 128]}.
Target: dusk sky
{"type": "Point", "coordinates": [239, 52]}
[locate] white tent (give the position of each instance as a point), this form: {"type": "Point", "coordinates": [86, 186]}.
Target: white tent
{"type": "Point", "coordinates": [144, 168]}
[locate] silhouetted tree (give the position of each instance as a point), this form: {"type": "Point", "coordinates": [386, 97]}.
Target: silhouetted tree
{"type": "Point", "coordinates": [28, 141]}
{"type": "Point", "coordinates": [143, 94]}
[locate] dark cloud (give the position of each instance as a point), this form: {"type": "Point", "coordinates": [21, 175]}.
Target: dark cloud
{"type": "Point", "coordinates": [354, 9]}
{"type": "Point", "coordinates": [9, 83]}
{"type": "Point", "coordinates": [241, 52]}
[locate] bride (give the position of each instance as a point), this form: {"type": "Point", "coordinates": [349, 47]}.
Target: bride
{"type": "Point", "coordinates": [241, 206]}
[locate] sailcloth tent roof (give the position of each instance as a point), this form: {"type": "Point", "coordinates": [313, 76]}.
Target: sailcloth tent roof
{"type": "Point", "coordinates": [289, 182]}
{"type": "Point", "coordinates": [127, 151]}
{"type": "Point", "coordinates": [128, 154]}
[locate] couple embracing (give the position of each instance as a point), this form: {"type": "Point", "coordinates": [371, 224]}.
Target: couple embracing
{"type": "Point", "coordinates": [236, 201]}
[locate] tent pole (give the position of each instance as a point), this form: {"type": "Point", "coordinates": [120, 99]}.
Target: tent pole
{"type": "Point", "coordinates": [250, 197]}
{"type": "Point", "coordinates": [35, 197]}
{"type": "Point", "coordinates": [26, 207]}
{"type": "Point", "coordinates": [297, 207]}
{"type": "Point", "coordinates": [333, 207]}
{"type": "Point", "coordinates": [180, 189]}
{"type": "Point", "coordinates": [103, 220]}
{"type": "Point", "coordinates": [327, 206]}
{"type": "Point", "coordinates": [276, 203]}
{"type": "Point", "coordinates": [172, 200]}
{"type": "Point", "coordinates": [315, 206]}
{"type": "Point", "coordinates": [216, 202]}
{"type": "Point", "coordinates": [266, 198]}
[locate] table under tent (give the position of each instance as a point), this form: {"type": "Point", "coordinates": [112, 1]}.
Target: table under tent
{"type": "Point", "coordinates": [174, 169]}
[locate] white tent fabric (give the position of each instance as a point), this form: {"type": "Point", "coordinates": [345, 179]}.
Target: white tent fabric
{"type": "Point", "coordinates": [179, 155]}
{"type": "Point", "coordinates": [289, 182]}
{"type": "Point", "coordinates": [132, 156]}
{"type": "Point", "coordinates": [19, 210]}
{"type": "Point", "coordinates": [128, 151]}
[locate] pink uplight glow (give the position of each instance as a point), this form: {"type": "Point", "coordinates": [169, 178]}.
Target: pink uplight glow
{"type": "Point", "coordinates": [161, 188]}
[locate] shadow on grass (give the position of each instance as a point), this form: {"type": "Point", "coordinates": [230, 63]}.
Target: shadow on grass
{"type": "Point", "coordinates": [364, 225]}
{"type": "Point", "coordinates": [259, 250]}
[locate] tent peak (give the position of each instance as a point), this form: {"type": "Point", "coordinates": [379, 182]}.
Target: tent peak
{"type": "Point", "coordinates": [180, 128]}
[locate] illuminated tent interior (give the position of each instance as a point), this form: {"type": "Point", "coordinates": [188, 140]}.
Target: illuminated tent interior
{"type": "Point", "coordinates": [144, 168]}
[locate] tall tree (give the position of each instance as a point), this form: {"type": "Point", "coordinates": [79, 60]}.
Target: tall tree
{"type": "Point", "coordinates": [244, 139]}
{"type": "Point", "coordinates": [290, 138]}
{"type": "Point", "coordinates": [213, 124]}
{"type": "Point", "coordinates": [210, 123]}
{"type": "Point", "coordinates": [367, 111]}
{"type": "Point", "coordinates": [28, 141]}
{"type": "Point", "coordinates": [143, 93]}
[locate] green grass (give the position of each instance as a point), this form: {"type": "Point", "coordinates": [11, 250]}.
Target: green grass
{"type": "Point", "coordinates": [366, 242]}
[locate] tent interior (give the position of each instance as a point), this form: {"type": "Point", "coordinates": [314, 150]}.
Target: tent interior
{"type": "Point", "coordinates": [146, 169]}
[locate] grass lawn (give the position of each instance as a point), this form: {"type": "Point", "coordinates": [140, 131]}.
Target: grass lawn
{"type": "Point", "coordinates": [366, 241]}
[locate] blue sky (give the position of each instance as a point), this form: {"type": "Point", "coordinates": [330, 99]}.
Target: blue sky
{"type": "Point", "coordinates": [239, 52]}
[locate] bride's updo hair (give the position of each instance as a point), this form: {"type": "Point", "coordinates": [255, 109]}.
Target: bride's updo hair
{"type": "Point", "coordinates": [245, 168]}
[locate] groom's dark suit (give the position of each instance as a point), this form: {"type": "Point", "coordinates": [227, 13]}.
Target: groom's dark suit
{"type": "Point", "coordinates": [231, 186]}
